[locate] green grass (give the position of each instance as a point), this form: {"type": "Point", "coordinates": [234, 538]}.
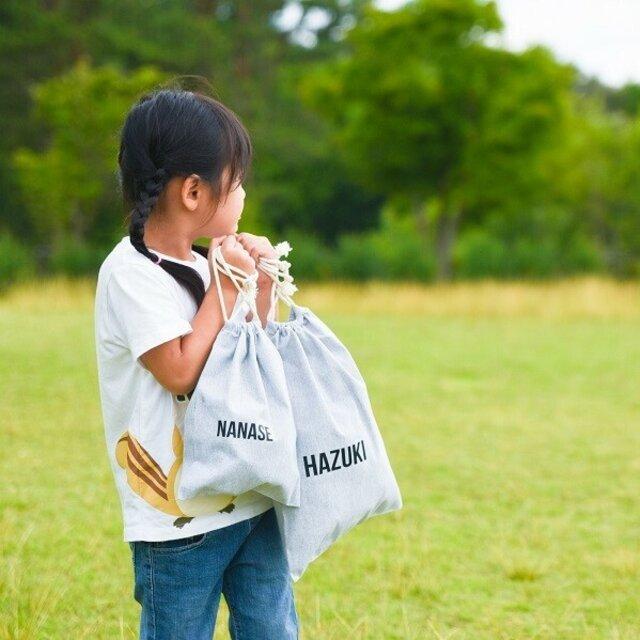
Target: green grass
{"type": "Point", "coordinates": [514, 436]}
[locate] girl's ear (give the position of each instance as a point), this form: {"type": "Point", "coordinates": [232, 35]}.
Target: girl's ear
{"type": "Point", "coordinates": [191, 191]}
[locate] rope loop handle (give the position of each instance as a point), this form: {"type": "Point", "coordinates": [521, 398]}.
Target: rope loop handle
{"type": "Point", "coordinates": [245, 283]}
{"type": "Point", "coordinates": [277, 269]}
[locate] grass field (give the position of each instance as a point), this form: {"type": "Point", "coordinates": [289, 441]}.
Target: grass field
{"type": "Point", "coordinates": [511, 414]}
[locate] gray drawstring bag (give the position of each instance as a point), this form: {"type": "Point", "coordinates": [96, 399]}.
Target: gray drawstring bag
{"type": "Point", "coordinates": [345, 474]}
{"type": "Point", "coordinates": [238, 428]}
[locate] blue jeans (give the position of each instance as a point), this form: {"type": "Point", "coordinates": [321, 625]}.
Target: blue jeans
{"type": "Point", "coordinates": [178, 583]}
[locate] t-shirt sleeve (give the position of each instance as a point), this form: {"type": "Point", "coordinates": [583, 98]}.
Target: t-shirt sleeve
{"type": "Point", "coordinates": [144, 308]}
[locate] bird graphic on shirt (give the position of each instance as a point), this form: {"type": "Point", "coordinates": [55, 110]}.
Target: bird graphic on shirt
{"type": "Point", "coordinates": [146, 477]}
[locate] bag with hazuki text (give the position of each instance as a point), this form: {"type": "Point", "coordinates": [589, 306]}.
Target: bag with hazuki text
{"type": "Point", "coordinates": [345, 474]}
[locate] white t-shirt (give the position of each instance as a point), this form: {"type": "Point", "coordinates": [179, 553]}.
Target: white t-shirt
{"type": "Point", "coordinates": [138, 306]}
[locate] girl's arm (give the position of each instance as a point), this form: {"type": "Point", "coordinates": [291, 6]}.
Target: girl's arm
{"type": "Point", "coordinates": [178, 363]}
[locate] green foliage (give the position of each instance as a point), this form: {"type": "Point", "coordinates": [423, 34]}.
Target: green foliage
{"type": "Point", "coordinates": [542, 242]}
{"type": "Point", "coordinates": [16, 261]}
{"type": "Point", "coordinates": [478, 254]}
{"type": "Point", "coordinates": [628, 99]}
{"type": "Point", "coordinates": [310, 258]}
{"type": "Point", "coordinates": [392, 252]}
{"type": "Point", "coordinates": [75, 258]}
{"type": "Point", "coordinates": [409, 101]}
{"type": "Point", "coordinates": [507, 163]}
{"type": "Point", "coordinates": [399, 250]}
{"type": "Point", "coordinates": [598, 175]}
{"type": "Point", "coordinates": [65, 185]}
{"type": "Point", "coordinates": [456, 119]}
{"type": "Point", "coordinates": [356, 259]}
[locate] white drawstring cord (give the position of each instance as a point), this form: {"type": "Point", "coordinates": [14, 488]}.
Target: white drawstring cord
{"type": "Point", "coordinates": [278, 270]}
{"type": "Point", "coordinates": [247, 288]}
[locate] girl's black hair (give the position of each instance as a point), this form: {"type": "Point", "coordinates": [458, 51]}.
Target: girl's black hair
{"type": "Point", "coordinates": [175, 132]}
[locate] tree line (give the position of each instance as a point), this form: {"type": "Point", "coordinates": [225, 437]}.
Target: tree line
{"type": "Point", "coordinates": [406, 144]}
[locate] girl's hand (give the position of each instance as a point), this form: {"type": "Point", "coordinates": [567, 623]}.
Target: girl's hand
{"type": "Point", "coordinates": [258, 247]}
{"type": "Point", "coordinates": [233, 252]}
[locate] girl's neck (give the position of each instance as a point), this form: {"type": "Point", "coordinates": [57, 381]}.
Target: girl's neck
{"type": "Point", "coordinates": [173, 244]}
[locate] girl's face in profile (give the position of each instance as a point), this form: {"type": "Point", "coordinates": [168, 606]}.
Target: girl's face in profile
{"type": "Point", "coordinates": [226, 216]}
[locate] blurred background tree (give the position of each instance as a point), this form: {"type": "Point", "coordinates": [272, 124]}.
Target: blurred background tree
{"type": "Point", "coordinates": [460, 122]}
{"type": "Point", "coordinates": [405, 144]}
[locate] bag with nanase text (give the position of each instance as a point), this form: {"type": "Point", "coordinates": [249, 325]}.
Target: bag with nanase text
{"type": "Point", "coordinates": [239, 433]}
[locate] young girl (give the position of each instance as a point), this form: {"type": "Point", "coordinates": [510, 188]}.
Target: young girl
{"type": "Point", "coordinates": [183, 157]}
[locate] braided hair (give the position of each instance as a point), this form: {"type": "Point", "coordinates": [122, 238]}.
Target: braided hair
{"type": "Point", "coordinates": [175, 132]}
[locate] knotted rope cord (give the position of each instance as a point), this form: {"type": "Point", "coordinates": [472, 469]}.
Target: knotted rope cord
{"type": "Point", "coordinates": [247, 288]}
{"type": "Point", "coordinates": [278, 270]}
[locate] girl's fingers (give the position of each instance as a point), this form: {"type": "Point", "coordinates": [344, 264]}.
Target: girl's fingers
{"type": "Point", "coordinates": [228, 242]}
{"type": "Point", "coordinates": [244, 241]}
{"type": "Point", "coordinates": [257, 246]}
{"type": "Point", "coordinates": [216, 241]}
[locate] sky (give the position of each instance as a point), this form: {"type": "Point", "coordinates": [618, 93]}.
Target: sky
{"type": "Point", "coordinates": [601, 37]}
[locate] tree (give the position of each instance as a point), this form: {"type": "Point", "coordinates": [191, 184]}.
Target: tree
{"type": "Point", "coordinates": [248, 59]}
{"type": "Point", "coordinates": [600, 180]}
{"type": "Point", "coordinates": [427, 112]}
{"type": "Point", "coordinates": [70, 184]}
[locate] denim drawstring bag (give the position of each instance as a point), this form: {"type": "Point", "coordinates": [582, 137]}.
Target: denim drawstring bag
{"type": "Point", "coordinates": [345, 474]}
{"type": "Point", "coordinates": [238, 428]}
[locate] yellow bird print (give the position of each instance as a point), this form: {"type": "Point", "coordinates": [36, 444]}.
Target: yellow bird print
{"type": "Point", "coordinates": [148, 480]}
